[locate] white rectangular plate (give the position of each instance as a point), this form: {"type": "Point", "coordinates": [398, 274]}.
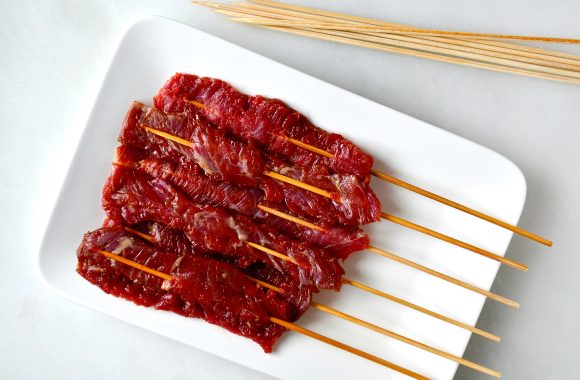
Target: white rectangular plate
{"type": "Point", "coordinates": [154, 49]}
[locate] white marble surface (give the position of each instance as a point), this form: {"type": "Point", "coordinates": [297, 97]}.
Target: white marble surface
{"type": "Point", "coordinates": [53, 56]}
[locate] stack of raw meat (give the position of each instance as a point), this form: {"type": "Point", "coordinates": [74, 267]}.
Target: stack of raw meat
{"type": "Point", "coordinates": [191, 210]}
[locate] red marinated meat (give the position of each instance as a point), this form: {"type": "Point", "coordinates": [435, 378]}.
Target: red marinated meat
{"type": "Point", "coordinates": [187, 177]}
{"type": "Point", "coordinates": [358, 204]}
{"type": "Point", "coordinates": [200, 287]}
{"type": "Point", "coordinates": [171, 240]}
{"type": "Point", "coordinates": [219, 156]}
{"type": "Point", "coordinates": [131, 196]}
{"type": "Point", "coordinates": [262, 120]}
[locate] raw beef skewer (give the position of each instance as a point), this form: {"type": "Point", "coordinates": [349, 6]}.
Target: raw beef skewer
{"type": "Point", "coordinates": [131, 197]}
{"type": "Point", "coordinates": [277, 127]}
{"type": "Point", "coordinates": [188, 178]}
{"type": "Point", "coordinates": [343, 199]}
{"type": "Point", "coordinates": [298, 295]}
{"type": "Point", "coordinates": [186, 285]}
{"type": "Point", "coordinates": [341, 242]}
{"type": "Point", "coordinates": [389, 217]}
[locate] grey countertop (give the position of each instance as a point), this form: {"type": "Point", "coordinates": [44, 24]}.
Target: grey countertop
{"type": "Point", "coordinates": [53, 56]}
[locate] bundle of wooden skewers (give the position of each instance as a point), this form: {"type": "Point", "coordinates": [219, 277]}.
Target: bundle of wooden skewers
{"type": "Point", "coordinates": [190, 229]}
{"type": "Point", "coordinates": [486, 51]}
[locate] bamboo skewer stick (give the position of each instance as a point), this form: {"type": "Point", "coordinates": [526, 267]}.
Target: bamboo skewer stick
{"type": "Point", "coordinates": [451, 46]}
{"type": "Point", "coordinates": [288, 325]}
{"type": "Point", "coordinates": [275, 4]}
{"type": "Point", "coordinates": [346, 347]}
{"type": "Point", "coordinates": [409, 263]}
{"type": "Point", "coordinates": [331, 311]}
{"type": "Point", "coordinates": [449, 239]}
{"type": "Point", "coordinates": [290, 218]}
{"type": "Point", "coordinates": [411, 40]}
{"type": "Point", "coordinates": [404, 339]}
{"type": "Point", "coordinates": [460, 207]}
{"type": "Point", "coordinates": [300, 184]}
{"type": "Point", "coordinates": [487, 44]}
{"type": "Point", "coordinates": [417, 47]}
{"type": "Point", "coordinates": [268, 173]}
{"type": "Point", "coordinates": [384, 215]}
{"type": "Point", "coordinates": [320, 15]}
{"type": "Point", "coordinates": [420, 309]}
{"type": "Point", "coordinates": [300, 12]}
{"type": "Point", "coordinates": [424, 269]}
{"type": "Point", "coordinates": [378, 251]}
{"type": "Point", "coordinates": [425, 32]}
{"type": "Point", "coordinates": [374, 291]}
{"type": "Point", "coordinates": [379, 293]}
{"type": "Point", "coordinates": [428, 194]}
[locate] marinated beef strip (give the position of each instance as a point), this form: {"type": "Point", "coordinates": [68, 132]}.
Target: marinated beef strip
{"type": "Point", "coordinates": [188, 177]}
{"type": "Point", "coordinates": [203, 288]}
{"type": "Point", "coordinates": [263, 120]}
{"type": "Point", "coordinates": [168, 239]}
{"type": "Point", "coordinates": [131, 196]}
{"type": "Point", "coordinates": [353, 203]}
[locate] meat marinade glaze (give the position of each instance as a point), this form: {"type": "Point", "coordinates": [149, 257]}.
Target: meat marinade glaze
{"type": "Point", "coordinates": [186, 176]}
{"type": "Point", "coordinates": [228, 160]}
{"type": "Point", "coordinates": [262, 120]}
{"type": "Point", "coordinates": [203, 288]}
{"type": "Point", "coordinates": [171, 240]}
{"type": "Point", "coordinates": [131, 196]}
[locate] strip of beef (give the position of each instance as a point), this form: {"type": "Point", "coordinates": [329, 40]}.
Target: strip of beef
{"type": "Point", "coordinates": [218, 155]}
{"type": "Point", "coordinates": [352, 203]}
{"type": "Point", "coordinates": [188, 177]}
{"type": "Point", "coordinates": [131, 196]}
{"type": "Point", "coordinates": [200, 287]}
{"type": "Point", "coordinates": [168, 239]}
{"type": "Point", "coordinates": [260, 119]}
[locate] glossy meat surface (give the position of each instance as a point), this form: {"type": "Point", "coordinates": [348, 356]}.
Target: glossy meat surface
{"type": "Point", "coordinates": [131, 196]}
{"type": "Point", "coordinates": [200, 287]}
{"type": "Point", "coordinates": [219, 156]}
{"type": "Point", "coordinates": [353, 203]}
{"type": "Point", "coordinates": [187, 177]}
{"type": "Point", "coordinates": [263, 120]}
{"type": "Point", "coordinates": [169, 239]}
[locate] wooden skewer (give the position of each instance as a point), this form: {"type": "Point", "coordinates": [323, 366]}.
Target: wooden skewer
{"type": "Point", "coordinates": [412, 31]}
{"type": "Point", "coordinates": [460, 207]}
{"type": "Point", "coordinates": [300, 184]}
{"type": "Point", "coordinates": [135, 265]}
{"type": "Point", "coordinates": [486, 61]}
{"type": "Point", "coordinates": [409, 263]}
{"type": "Point", "coordinates": [403, 28]}
{"type": "Point", "coordinates": [245, 9]}
{"type": "Point", "coordinates": [404, 339]}
{"type": "Point", "coordinates": [299, 12]}
{"type": "Point", "coordinates": [420, 309]}
{"type": "Point", "coordinates": [272, 252]}
{"type": "Point", "coordinates": [288, 325]}
{"type": "Point", "coordinates": [449, 239]}
{"type": "Point", "coordinates": [347, 348]}
{"type": "Point", "coordinates": [268, 173]}
{"type": "Point", "coordinates": [424, 269]}
{"type": "Point", "coordinates": [384, 215]}
{"type": "Point", "coordinates": [389, 255]}
{"type": "Point", "coordinates": [290, 218]}
{"type": "Point", "coordinates": [379, 293]}
{"type": "Point", "coordinates": [430, 195]}
{"type": "Point", "coordinates": [411, 40]}
{"type": "Point", "coordinates": [415, 189]}
{"type": "Point", "coordinates": [331, 311]}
